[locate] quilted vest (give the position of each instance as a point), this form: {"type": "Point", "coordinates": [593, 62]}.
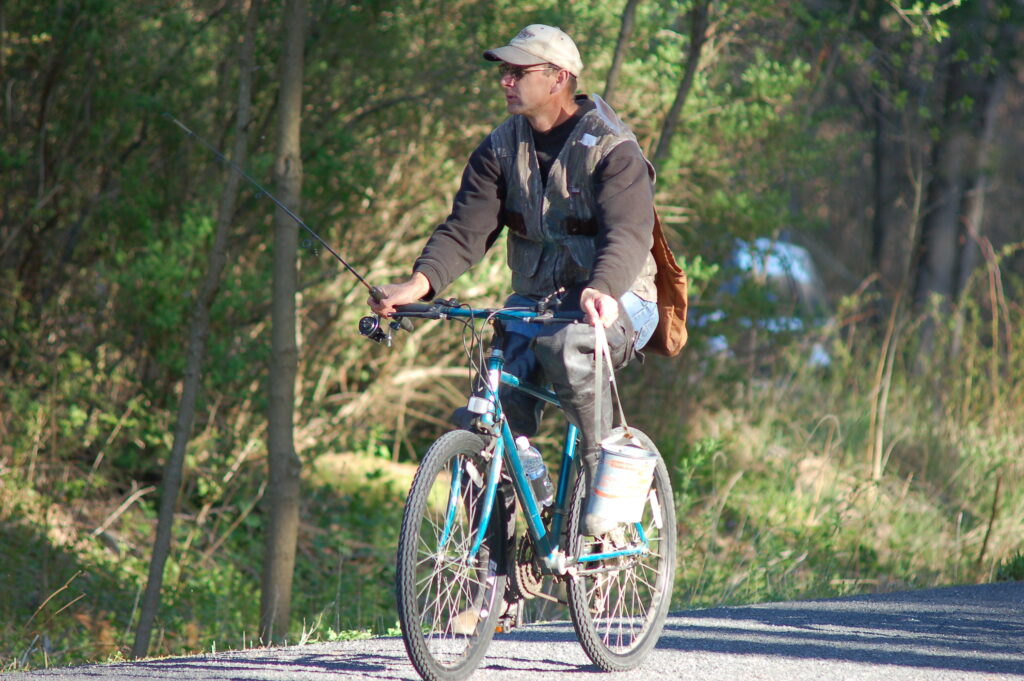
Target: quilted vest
{"type": "Point", "coordinates": [553, 229]}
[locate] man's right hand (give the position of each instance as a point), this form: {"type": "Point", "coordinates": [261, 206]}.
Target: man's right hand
{"type": "Point", "coordinates": [600, 307]}
{"type": "Point", "coordinates": [412, 290]}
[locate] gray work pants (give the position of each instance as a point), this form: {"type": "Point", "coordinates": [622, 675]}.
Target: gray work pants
{"type": "Point", "coordinates": [563, 355]}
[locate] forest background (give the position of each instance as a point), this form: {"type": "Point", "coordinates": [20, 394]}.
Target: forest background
{"type": "Point", "coordinates": [882, 136]}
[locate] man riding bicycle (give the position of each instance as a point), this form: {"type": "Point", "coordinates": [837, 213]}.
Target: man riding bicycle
{"type": "Point", "coordinates": [570, 182]}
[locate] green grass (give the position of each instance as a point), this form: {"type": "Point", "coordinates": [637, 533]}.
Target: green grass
{"type": "Point", "coordinates": [789, 488]}
{"type": "Point", "coordinates": [790, 483]}
{"type": "Point", "coordinates": [71, 597]}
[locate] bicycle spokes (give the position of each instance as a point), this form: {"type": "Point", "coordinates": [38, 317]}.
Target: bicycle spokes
{"type": "Point", "coordinates": [448, 593]}
{"type": "Point", "coordinates": [621, 596]}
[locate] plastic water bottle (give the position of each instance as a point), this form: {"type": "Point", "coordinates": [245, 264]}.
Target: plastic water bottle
{"type": "Point", "coordinates": [536, 471]}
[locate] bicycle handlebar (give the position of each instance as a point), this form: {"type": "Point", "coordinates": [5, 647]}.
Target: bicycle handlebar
{"type": "Point", "coordinates": [451, 310]}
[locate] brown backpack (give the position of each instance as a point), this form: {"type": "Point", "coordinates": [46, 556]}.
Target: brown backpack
{"type": "Point", "coordinates": [670, 336]}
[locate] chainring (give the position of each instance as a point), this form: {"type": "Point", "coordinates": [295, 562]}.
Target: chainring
{"type": "Point", "coordinates": [526, 579]}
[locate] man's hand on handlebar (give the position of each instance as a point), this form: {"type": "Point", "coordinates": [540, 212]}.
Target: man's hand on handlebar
{"type": "Point", "coordinates": [413, 290]}
{"type": "Point", "coordinates": [599, 307]}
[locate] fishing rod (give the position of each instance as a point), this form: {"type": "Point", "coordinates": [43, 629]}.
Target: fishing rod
{"type": "Point", "coordinates": [375, 291]}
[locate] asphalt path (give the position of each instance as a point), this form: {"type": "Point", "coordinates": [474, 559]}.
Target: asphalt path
{"type": "Point", "coordinates": [964, 633]}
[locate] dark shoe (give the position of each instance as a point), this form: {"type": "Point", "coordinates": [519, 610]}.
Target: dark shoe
{"type": "Point", "coordinates": [596, 526]}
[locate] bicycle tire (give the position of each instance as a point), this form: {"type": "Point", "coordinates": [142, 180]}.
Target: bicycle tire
{"type": "Point", "coordinates": [618, 607]}
{"type": "Point", "coordinates": [437, 585]}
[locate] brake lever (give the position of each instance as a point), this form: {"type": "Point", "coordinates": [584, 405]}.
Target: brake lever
{"type": "Point", "coordinates": [552, 301]}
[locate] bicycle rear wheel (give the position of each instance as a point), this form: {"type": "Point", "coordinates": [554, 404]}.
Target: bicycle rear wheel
{"type": "Point", "coordinates": [618, 605]}
{"type": "Point", "coordinates": [449, 603]}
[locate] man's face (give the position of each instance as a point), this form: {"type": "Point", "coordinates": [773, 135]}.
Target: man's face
{"type": "Point", "coordinates": [527, 88]}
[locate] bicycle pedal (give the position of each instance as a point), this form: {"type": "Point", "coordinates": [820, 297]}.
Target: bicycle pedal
{"type": "Point", "coordinates": [615, 539]}
{"type": "Point", "coordinates": [507, 623]}
{"type": "Point", "coordinates": [509, 619]}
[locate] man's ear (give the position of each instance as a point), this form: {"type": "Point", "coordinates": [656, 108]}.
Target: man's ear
{"type": "Point", "coordinates": [561, 81]}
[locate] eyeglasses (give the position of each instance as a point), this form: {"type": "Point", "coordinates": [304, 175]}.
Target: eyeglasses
{"type": "Point", "coordinates": [517, 73]}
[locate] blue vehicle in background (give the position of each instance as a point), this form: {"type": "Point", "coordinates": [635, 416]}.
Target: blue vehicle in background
{"type": "Point", "coordinates": [771, 297]}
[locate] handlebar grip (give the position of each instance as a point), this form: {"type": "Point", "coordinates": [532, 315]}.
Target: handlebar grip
{"type": "Point", "coordinates": [415, 308]}
{"type": "Point", "coordinates": [378, 295]}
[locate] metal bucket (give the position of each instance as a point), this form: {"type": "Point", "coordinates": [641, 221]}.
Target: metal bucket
{"type": "Point", "coordinates": [623, 480]}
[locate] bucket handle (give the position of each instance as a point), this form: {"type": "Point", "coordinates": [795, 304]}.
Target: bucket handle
{"type": "Point", "coordinates": [601, 352]}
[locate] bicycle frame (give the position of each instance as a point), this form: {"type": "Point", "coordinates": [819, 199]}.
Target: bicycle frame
{"type": "Point", "coordinates": [464, 573]}
{"type": "Point", "coordinates": [505, 453]}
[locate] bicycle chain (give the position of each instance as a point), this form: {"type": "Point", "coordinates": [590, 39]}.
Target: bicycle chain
{"type": "Point", "coordinates": [527, 580]}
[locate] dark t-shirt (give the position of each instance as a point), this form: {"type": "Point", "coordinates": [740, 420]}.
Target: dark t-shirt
{"type": "Point", "coordinates": [624, 201]}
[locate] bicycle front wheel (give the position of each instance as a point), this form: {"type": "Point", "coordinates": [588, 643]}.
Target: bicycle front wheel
{"type": "Point", "coordinates": [449, 601]}
{"type": "Point", "coordinates": [618, 605]}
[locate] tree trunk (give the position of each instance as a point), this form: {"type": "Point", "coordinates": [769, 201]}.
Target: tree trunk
{"type": "Point", "coordinates": [974, 203]}
{"type": "Point", "coordinates": [625, 33]}
{"type": "Point", "coordinates": [951, 230]}
{"type": "Point", "coordinates": [279, 560]}
{"type": "Point", "coordinates": [198, 333]}
{"type": "Point", "coordinates": [959, 159]}
{"type": "Point", "coordinates": [698, 34]}
{"type": "Point", "coordinates": [879, 162]}
{"type": "Point", "coordinates": [941, 229]}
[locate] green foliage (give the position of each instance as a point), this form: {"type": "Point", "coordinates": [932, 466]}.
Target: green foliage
{"type": "Point", "coordinates": [107, 216]}
{"type": "Point", "coordinates": [699, 273]}
{"type": "Point", "coordinates": [790, 506]}
{"type": "Point", "coordinates": [1011, 569]}
{"type": "Point", "coordinates": [925, 19]}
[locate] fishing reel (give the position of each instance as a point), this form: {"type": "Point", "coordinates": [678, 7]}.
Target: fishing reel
{"type": "Point", "coordinates": [372, 329]}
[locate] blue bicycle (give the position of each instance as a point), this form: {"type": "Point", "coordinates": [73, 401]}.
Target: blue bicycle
{"type": "Point", "coordinates": [462, 570]}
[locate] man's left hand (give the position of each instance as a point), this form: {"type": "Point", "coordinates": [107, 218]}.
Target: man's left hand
{"type": "Point", "coordinates": [599, 307]}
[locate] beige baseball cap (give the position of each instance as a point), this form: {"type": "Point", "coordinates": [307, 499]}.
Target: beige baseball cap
{"type": "Point", "coordinates": [540, 44]}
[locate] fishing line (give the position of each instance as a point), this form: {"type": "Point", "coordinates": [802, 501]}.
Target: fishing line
{"type": "Point", "coordinates": [375, 292]}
